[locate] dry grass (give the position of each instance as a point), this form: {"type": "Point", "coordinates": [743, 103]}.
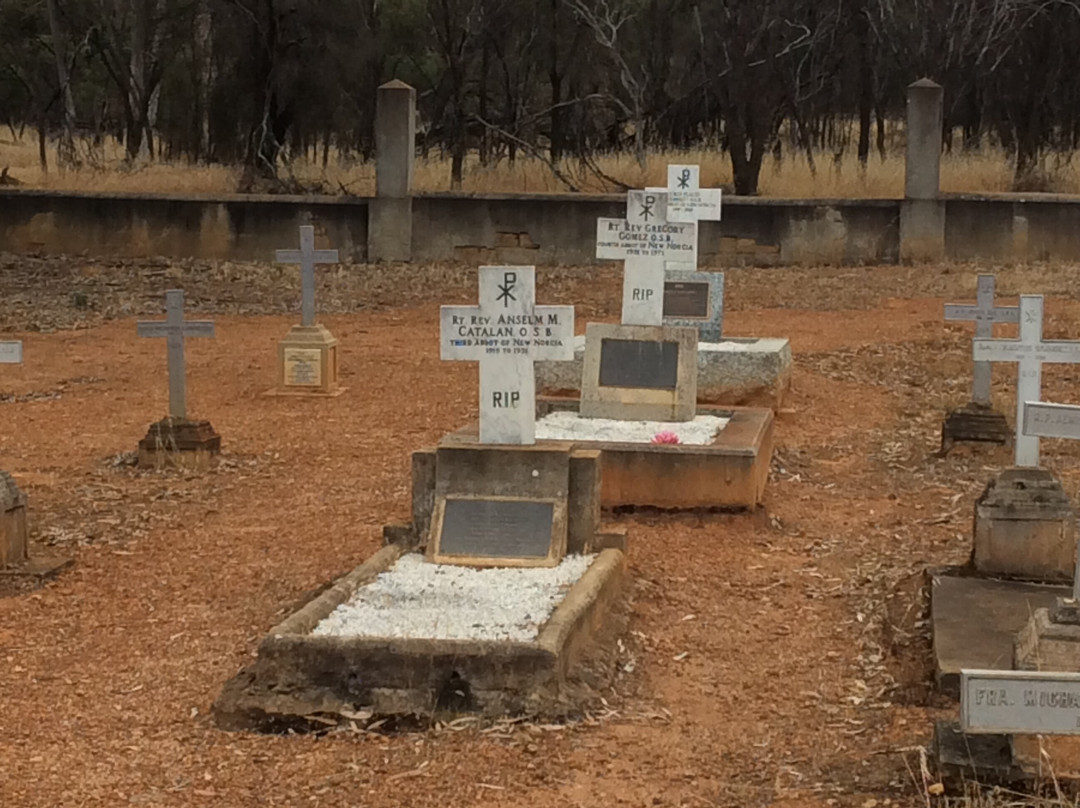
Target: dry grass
{"type": "Point", "coordinates": [988, 170]}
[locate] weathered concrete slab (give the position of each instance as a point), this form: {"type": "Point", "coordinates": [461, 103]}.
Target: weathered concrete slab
{"type": "Point", "coordinates": [737, 372]}
{"type": "Point", "coordinates": [729, 473]}
{"type": "Point", "coordinates": [300, 679]}
{"type": "Point", "coordinates": [975, 622]}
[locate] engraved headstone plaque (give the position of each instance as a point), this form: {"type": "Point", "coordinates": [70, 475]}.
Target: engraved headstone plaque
{"type": "Point", "coordinates": [497, 528]}
{"type": "Point", "coordinates": [687, 300]}
{"type": "Point", "coordinates": [1019, 702]}
{"type": "Point", "coordinates": [303, 367]}
{"type": "Point", "coordinates": [639, 363]}
{"type": "Point", "coordinates": [1043, 420]}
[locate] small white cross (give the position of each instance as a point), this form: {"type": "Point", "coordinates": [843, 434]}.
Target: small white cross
{"type": "Point", "coordinates": [506, 333]}
{"type": "Point", "coordinates": [307, 257]}
{"type": "Point", "coordinates": [1030, 352]}
{"type": "Point", "coordinates": [174, 329]}
{"type": "Point", "coordinates": [984, 314]}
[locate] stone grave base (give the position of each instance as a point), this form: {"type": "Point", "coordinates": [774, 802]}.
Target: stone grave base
{"type": "Point", "coordinates": [307, 363]}
{"type": "Point", "coordinates": [303, 680]}
{"type": "Point", "coordinates": [1021, 761]}
{"type": "Point", "coordinates": [1025, 527]}
{"type": "Point", "coordinates": [730, 472]}
{"type": "Point", "coordinates": [974, 423]}
{"type": "Point", "coordinates": [744, 372]}
{"type": "Point", "coordinates": [41, 567]}
{"type": "Point", "coordinates": [179, 443]}
{"type": "Point", "coordinates": [975, 622]}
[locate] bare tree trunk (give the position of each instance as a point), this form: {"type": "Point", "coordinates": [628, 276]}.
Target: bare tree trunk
{"type": "Point", "coordinates": [204, 53]}
{"type": "Point", "coordinates": [66, 157]}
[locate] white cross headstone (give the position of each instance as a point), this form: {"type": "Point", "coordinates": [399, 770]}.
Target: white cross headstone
{"type": "Point", "coordinates": [11, 352]}
{"type": "Point", "coordinates": [307, 257]}
{"type": "Point", "coordinates": [175, 328]}
{"type": "Point", "coordinates": [506, 333]}
{"type": "Point", "coordinates": [984, 314]}
{"type": "Point", "coordinates": [1030, 352]}
{"type": "Point", "coordinates": [689, 202]}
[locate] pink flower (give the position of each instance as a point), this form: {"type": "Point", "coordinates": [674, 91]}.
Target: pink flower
{"type": "Point", "coordinates": [665, 437]}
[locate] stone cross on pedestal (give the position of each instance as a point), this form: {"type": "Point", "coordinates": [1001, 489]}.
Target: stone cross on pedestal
{"type": "Point", "coordinates": [506, 333]}
{"type": "Point", "coordinates": [1030, 352]}
{"type": "Point", "coordinates": [307, 257]}
{"type": "Point", "coordinates": [984, 314]}
{"type": "Point", "coordinates": [175, 329]}
{"type": "Point", "coordinates": [11, 352]}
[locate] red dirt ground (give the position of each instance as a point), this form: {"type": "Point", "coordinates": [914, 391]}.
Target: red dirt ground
{"type": "Point", "coordinates": [790, 692]}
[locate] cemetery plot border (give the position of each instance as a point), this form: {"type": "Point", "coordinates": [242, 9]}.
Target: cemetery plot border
{"type": "Point", "coordinates": [416, 676]}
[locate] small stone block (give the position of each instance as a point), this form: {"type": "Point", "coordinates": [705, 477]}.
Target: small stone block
{"type": "Point", "coordinates": [1025, 527]}
{"type": "Point", "coordinates": [974, 423]}
{"type": "Point", "coordinates": [583, 518]}
{"type": "Point", "coordinates": [1066, 611]}
{"type": "Point", "coordinates": [13, 543]}
{"type": "Point", "coordinates": [639, 373]}
{"type": "Point", "coordinates": [181, 443]}
{"type": "Point", "coordinates": [972, 758]}
{"type": "Point", "coordinates": [308, 361]}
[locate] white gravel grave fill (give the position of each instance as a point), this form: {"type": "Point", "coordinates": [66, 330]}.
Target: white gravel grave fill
{"type": "Point", "coordinates": [416, 599]}
{"type": "Point", "coordinates": [568, 425]}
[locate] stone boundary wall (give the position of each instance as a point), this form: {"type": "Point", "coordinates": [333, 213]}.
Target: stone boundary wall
{"type": "Point", "coordinates": [526, 229]}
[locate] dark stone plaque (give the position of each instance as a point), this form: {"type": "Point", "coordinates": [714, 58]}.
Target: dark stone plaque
{"type": "Point", "coordinates": [497, 528]}
{"type": "Point", "coordinates": [639, 363]}
{"type": "Point", "coordinates": [687, 300]}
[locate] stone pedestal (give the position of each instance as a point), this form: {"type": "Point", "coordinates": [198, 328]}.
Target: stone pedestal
{"type": "Point", "coordinates": [308, 362]}
{"type": "Point", "coordinates": [182, 443]}
{"type": "Point", "coordinates": [1025, 527]}
{"type": "Point", "coordinates": [13, 550]}
{"type": "Point", "coordinates": [974, 423]}
{"type": "Point", "coordinates": [1049, 642]}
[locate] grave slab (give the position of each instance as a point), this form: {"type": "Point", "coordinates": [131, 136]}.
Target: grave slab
{"type": "Point", "coordinates": [302, 679]}
{"type": "Point", "coordinates": [975, 622]}
{"type": "Point", "coordinates": [730, 472]}
{"type": "Point", "coordinates": [739, 372]}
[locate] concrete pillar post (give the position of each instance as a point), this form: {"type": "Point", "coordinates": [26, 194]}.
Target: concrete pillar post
{"type": "Point", "coordinates": [390, 212]}
{"type": "Point", "coordinates": [922, 213]}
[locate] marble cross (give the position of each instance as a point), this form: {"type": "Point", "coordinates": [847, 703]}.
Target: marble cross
{"type": "Point", "coordinates": [307, 257]}
{"type": "Point", "coordinates": [984, 314]}
{"type": "Point", "coordinates": [11, 352]}
{"type": "Point", "coordinates": [175, 328]}
{"type": "Point", "coordinates": [689, 202]}
{"type": "Point", "coordinates": [1030, 351]}
{"type": "Point", "coordinates": [506, 333]}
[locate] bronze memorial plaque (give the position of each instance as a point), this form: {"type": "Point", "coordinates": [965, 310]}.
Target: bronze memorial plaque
{"type": "Point", "coordinates": [687, 300]}
{"type": "Point", "coordinates": [497, 528]}
{"type": "Point", "coordinates": [639, 363]}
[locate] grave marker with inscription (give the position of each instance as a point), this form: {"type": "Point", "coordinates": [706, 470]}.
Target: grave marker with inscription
{"type": "Point", "coordinates": [1030, 351]}
{"type": "Point", "coordinates": [978, 421]}
{"type": "Point", "coordinates": [506, 333]}
{"type": "Point", "coordinates": [176, 439]}
{"type": "Point", "coordinates": [695, 299]}
{"type": "Point", "coordinates": [1019, 702]}
{"type": "Point", "coordinates": [639, 373]}
{"type": "Point", "coordinates": [307, 357]}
